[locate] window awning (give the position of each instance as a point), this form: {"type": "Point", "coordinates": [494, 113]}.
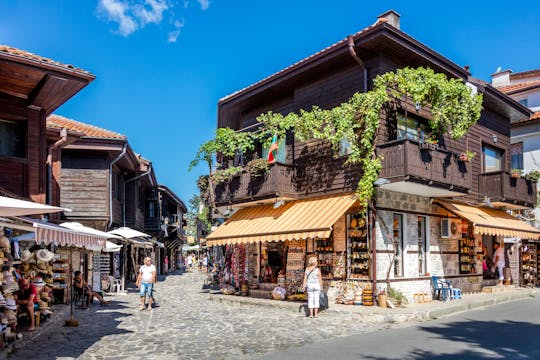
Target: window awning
{"type": "Point", "coordinates": [487, 221]}
{"type": "Point", "coordinates": [48, 233]}
{"type": "Point", "coordinates": [296, 220]}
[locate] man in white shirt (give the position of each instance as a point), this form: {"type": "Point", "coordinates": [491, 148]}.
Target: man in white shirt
{"type": "Point", "coordinates": [145, 282]}
{"type": "Point", "coordinates": [498, 260]}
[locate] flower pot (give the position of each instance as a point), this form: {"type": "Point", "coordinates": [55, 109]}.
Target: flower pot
{"type": "Point", "coordinates": [464, 158]}
{"type": "Point", "coordinates": [515, 175]}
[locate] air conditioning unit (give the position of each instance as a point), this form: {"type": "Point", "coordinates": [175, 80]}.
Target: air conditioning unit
{"type": "Point", "coordinates": [450, 228]}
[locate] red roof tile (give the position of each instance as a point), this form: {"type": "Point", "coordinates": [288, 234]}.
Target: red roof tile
{"type": "Point", "coordinates": [58, 122]}
{"type": "Point", "coordinates": [535, 116]}
{"type": "Point", "coordinates": [519, 87]}
{"type": "Point", "coordinates": [40, 59]}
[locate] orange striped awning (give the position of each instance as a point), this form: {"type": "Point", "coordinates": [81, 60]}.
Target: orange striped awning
{"type": "Point", "coordinates": [296, 220]}
{"type": "Point", "coordinates": [487, 221]}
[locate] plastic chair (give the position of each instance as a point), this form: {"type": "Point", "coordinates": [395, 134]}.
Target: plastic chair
{"type": "Point", "coordinates": [114, 283]}
{"type": "Point", "coordinates": [441, 288]}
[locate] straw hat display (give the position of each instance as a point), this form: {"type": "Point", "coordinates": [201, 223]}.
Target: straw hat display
{"type": "Point", "coordinates": [10, 304]}
{"type": "Point", "coordinates": [44, 255]}
{"type": "Point", "coordinates": [4, 242]}
{"type": "Point", "coordinates": [27, 255]}
{"type": "Point", "coordinates": [38, 281]}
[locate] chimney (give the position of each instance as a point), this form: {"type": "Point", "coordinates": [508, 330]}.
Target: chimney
{"type": "Point", "coordinates": [501, 78]}
{"type": "Point", "coordinates": [391, 17]}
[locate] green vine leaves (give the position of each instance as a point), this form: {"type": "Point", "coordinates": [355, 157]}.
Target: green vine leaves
{"type": "Point", "coordinates": [454, 109]}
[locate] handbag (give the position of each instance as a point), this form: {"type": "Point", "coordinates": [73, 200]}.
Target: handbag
{"type": "Point", "coordinates": [323, 301]}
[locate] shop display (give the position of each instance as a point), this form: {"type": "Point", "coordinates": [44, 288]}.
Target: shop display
{"type": "Point", "coordinates": [294, 274]}
{"type": "Point", "coordinates": [358, 248]}
{"type": "Point", "coordinates": [529, 265]}
{"type": "Point", "coordinates": [466, 251]}
{"type": "Point", "coordinates": [340, 266]}
{"type": "Point", "coordinates": [60, 269]}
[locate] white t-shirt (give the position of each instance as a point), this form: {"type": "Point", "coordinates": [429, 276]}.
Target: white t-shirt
{"type": "Point", "coordinates": [147, 273]}
{"type": "Point", "coordinates": [189, 260]}
{"type": "Point", "coordinates": [500, 253]}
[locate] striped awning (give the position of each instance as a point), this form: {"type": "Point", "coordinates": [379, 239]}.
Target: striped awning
{"type": "Point", "coordinates": [488, 221]}
{"type": "Point", "coordinates": [296, 220]}
{"type": "Point", "coordinates": [173, 243]}
{"type": "Point", "coordinates": [48, 233]}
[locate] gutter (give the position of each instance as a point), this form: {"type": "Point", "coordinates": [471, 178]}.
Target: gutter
{"type": "Point", "coordinates": [58, 144]}
{"type": "Point", "coordinates": [124, 192]}
{"type": "Point", "coordinates": [352, 51]}
{"type": "Point", "coordinates": [110, 183]}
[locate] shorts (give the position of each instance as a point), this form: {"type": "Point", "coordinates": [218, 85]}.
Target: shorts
{"type": "Point", "coordinates": [146, 289]}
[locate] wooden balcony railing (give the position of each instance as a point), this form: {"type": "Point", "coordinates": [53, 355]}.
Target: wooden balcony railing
{"type": "Point", "coordinates": [405, 160]}
{"type": "Point", "coordinates": [501, 186]}
{"type": "Point", "coordinates": [278, 180]}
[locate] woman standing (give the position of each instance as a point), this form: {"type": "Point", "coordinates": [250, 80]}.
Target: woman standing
{"type": "Point", "coordinates": [313, 285]}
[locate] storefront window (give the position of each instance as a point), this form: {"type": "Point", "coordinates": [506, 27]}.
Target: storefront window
{"type": "Point", "coordinates": [398, 245]}
{"type": "Point", "coordinates": [492, 158]}
{"type": "Point", "coordinates": [422, 245]}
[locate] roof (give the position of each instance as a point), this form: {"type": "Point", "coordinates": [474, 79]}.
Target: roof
{"type": "Point", "coordinates": [296, 220]}
{"type": "Point", "coordinates": [523, 86]}
{"type": "Point", "coordinates": [299, 63]}
{"type": "Point", "coordinates": [57, 122]}
{"type": "Point", "coordinates": [534, 117]}
{"type": "Point", "coordinates": [487, 221]}
{"type": "Point", "coordinates": [525, 74]}
{"type": "Point", "coordinates": [40, 59]}
{"type": "Point", "coordinates": [173, 196]}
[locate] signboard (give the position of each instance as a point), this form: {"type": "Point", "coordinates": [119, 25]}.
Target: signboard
{"type": "Point", "coordinates": [340, 236]}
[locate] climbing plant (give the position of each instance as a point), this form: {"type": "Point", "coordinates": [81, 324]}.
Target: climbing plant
{"type": "Point", "coordinates": [453, 105]}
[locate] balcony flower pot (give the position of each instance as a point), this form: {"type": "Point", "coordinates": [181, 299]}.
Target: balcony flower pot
{"type": "Point", "coordinates": [516, 173]}
{"type": "Point", "coordinates": [533, 176]}
{"type": "Point", "coordinates": [466, 156]}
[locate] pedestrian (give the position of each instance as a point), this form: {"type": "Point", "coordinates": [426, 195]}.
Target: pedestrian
{"type": "Point", "coordinates": [166, 264]}
{"type": "Point", "coordinates": [313, 285]}
{"type": "Point", "coordinates": [146, 281]}
{"type": "Point", "coordinates": [498, 261]}
{"type": "Point", "coordinates": [205, 263]}
{"type": "Point", "coordinates": [189, 261]}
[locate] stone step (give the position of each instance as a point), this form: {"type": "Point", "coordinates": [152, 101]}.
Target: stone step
{"type": "Point", "coordinates": [497, 289]}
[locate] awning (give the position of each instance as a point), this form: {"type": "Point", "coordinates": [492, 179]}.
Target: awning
{"type": "Point", "coordinates": [487, 221]}
{"type": "Point", "coordinates": [296, 220]}
{"type": "Point", "coordinates": [48, 233]}
{"type": "Point", "coordinates": [112, 247]}
{"type": "Point", "coordinates": [128, 233]}
{"type": "Point", "coordinates": [16, 207]}
{"type": "Point", "coordinates": [173, 243]}
{"type": "Point", "coordinates": [140, 243]}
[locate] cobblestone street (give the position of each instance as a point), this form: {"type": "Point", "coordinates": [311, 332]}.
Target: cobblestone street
{"type": "Point", "coordinates": [186, 325]}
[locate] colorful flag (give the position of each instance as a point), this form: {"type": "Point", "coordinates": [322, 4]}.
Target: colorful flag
{"type": "Point", "coordinates": [272, 151]}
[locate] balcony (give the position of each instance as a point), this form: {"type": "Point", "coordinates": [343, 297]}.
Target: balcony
{"type": "Point", "coordinates": [279, 179]}
{"type": "Point", "coordinates": [504, 190]}
{"type": "Point", "coordinates": [428, 172]}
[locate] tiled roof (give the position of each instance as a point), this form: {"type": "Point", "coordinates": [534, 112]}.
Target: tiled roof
{"type": "Point", "coordinates": [299, 63]}
{"type": "Point", "coordinates": [40, 59]}
{"type": "Point", "coordinates": [519, 87]}
{"type": "Point", "coordinates": [535, 116]}
{"type": "Point", "coordinates": [58, 122]}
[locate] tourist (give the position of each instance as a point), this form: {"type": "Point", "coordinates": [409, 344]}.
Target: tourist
{"type": "Point", "coordinates": [166, 264]}
{"type": "Point", "coordinates": [498, 261]}
{"type": "Point", "coordinates": [313, 285]}
{"type": "Point", "coordinates": [82, 287]}
{"type": "Point", "coordinates": [189, 263]}
{"type": "Point", "coordinates": [26, 297]}
{"type": "Point", "coordinates": [145, 282]}
{"type": "Point", "coordinates": [205, 263]}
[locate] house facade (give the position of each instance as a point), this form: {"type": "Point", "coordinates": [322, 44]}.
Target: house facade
{"type": "Point", "coordinates": [428, 202]}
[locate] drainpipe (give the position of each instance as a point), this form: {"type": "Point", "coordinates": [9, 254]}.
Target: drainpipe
{"type": "Point", "coordinates": [352, 51]}
{"type": "Point", "coordinates": [124, 192]}
{"type": "Point", "coordinates": [58, 144]}
{"type": "Point", "coordinates": [111, 194]}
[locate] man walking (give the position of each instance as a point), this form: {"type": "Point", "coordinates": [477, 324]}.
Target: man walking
{"type": "Point", "coordinates": [145, 282]}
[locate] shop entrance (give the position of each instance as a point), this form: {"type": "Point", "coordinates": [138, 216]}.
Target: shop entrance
{"type": "Point", "coordinates": [487, 256]}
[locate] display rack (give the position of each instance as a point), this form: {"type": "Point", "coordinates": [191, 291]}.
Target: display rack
{"type": "Point", "coordinates": [358, 248]}
{"type": "Point", "coordinates": [60, 269]}
{"type": "Point", "coordinates": [467, 256]}
{"type": "Point", "coordinates": [324, 249]}
{"type": "Point", "coordinates": [529, 265]}
{"type": "Point", "coordinates": [296, 255]}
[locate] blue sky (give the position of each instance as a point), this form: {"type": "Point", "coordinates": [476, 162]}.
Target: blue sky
{"type": "Point", "coordinates": [162, 65]}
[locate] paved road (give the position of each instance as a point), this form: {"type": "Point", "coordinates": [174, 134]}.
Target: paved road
{"type": "Point", "coordinates": [186, 325]}
{"type": "Point", "coordinates": [506, 331]}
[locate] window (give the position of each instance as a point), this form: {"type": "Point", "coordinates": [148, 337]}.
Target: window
{"type": "Point", "coordinates": [398, 244]}
{"type": "Point", "coordinates": [344, 147]}
{"type": "Point", "coordinates": [411, 128]}
{"type": "Point", "coordinates": [492, 158]}
{"type": "Point", "coordinates": [281, 153]}
{"type": "Point", "coordinates": [152, 214]}
{"type": "Point", "coordinates": [13, 138]}
{"type": "Point", "coordinates": [524, 102]}
{"type": "Point", "coordinates": [117, 186]}
{"type": "Point", "coordinates": [517, 155]}
{"type": "Point", "coordinates": [422, 245]}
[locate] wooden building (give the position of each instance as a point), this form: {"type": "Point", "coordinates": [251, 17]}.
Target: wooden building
{"type": "Point", "coordinates": [31, 88]}
{"type": "Point", "coordinates": [423, 199]}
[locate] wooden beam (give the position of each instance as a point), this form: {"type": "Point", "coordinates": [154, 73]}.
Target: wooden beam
{"type": "Point", "coordinates": [46, 91]}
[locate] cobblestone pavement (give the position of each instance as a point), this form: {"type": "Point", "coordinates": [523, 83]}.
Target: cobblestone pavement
{"type": "Point", "coordinates": [186, 325]}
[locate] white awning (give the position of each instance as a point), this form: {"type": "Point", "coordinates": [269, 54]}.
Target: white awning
{"type": "Point", "coordinates": [112, 247]}
{"type": "Point", "coordinates": [16, 207]}
{"type": "Point", "coordinates": [128, 233]}
{"type": "Point", "coordinates": [85, 229]}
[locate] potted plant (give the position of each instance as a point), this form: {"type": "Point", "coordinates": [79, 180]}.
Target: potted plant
{"type": "Point", "coordinates": [516, 173]}
{"type": "Point", "coordinates": [429, 144]}
{"type": "Point", "coordinates": [533, 175]}
{"type": "Point", "coordinates": [467, 156]}
{"type": "Point", "coordinates": [257, 167]}
{"type": "Point", "coordinates": [226, 175]}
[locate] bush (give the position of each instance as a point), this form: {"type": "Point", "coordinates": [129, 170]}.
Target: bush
{"type": "Point", "coordinates": [257, 167]}
{"type": "Point", "coordinates": [397, 297]}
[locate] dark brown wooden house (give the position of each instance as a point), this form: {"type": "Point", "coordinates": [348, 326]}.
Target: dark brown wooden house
{"type": "Point", "coordinates": [31, 88]}
{"type": "Point", "coordinates": [419, 216]}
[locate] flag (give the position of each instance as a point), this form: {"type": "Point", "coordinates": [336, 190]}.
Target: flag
{"type": "Point", "coordinates": [272, 151]}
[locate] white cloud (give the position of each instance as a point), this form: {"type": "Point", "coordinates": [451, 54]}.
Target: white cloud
{"type": "Point", "coordinates": [205, 4]}
{"type": "Point", "coordinates": [117, 12]}
{"type": "Point", "coordinates": [133, 15]}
